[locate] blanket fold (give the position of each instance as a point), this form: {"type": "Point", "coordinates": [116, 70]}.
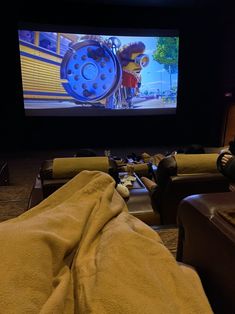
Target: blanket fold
{"type": "Point", "coordinates": [80, 251]}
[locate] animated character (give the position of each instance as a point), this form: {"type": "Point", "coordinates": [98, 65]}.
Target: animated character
{"type": "Point", "coordinates": [132, 59]}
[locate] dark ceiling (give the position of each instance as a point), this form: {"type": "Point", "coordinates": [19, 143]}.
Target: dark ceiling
{"type": "Point", "coordinates": [26, 7]}
{"type": "Point", "coordinates": [151, 3]}
{"type": "Point", "coordinates": [157, 3]}
{"type": "Point", "coordinates": [138, 3]}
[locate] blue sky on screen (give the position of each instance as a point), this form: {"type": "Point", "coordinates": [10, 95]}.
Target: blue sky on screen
{"type": "Point", "coordinates": [154, 76]}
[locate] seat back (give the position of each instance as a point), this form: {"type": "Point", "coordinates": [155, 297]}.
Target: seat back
{"type": "Point", "coordinates": [55, 173]}
{"type": "Point", "coordinates": [180, 176]}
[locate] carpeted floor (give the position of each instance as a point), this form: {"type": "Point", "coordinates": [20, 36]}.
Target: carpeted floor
{"type": "Point", "coordinates": [14, 197]}
{"type": "Point", "coordinates": [23, 171]}
{"type": "Point", "coordinates": [169, 237]}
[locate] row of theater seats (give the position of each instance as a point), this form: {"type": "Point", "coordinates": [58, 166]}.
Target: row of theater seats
{"type": "Point", "coordinates": [56, 172]}
{"type": "Point", "coordinates": [187, 191]}
{"type": "Point", "coordinates": [176, 177]}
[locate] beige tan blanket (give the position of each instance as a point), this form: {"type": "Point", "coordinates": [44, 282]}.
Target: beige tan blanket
{"type": "Point", "coordinates": [79, 251]}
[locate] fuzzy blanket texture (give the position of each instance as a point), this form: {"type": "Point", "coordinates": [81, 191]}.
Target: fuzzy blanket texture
{"type": "Point", "coordinates": [80, 251]}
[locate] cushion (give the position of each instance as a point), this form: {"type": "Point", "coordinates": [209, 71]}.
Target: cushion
{"type": "Point", "coordinates": [141, 169]}
{"type": "Point", "coordinates": [196, 163]}
{"type": "Point", "coordinates": [68, 167]}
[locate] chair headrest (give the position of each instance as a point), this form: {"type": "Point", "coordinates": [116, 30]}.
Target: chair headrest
{"type": "Point", "coordinates": [196, 163]}
{"type": "Point", "coordinates": [185, 164]}
{"type": "Point", "coordinates": [70, 166]}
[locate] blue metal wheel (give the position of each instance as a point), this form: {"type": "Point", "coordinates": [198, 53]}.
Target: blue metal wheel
{"type": "Point", "coordinates": [90, 71]}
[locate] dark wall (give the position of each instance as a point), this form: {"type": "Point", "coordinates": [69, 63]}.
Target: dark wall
{"type": "Point", "coordinates": [199, 118]}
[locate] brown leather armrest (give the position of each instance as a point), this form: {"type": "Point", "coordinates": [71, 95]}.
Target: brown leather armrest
{"type": "Point", "coordinates": [207, 242]}
{"type": "Point", "coordinates": [149, 184]}
{"type": "Point", "coordinates": [207, 204]}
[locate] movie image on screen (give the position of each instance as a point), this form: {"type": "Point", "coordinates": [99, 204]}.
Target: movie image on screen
{"type": "Point", "coordinates": [70, 74]}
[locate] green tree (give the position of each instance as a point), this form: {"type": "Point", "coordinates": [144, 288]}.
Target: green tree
{"type": "Point", "coordinates": [166, 53]}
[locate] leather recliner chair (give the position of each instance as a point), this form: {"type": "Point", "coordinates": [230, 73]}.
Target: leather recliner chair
{"type": "Point", "coordinates": [207, 242]}
{"type": "Point", "coordinates": [51, 181]}
{"type": "Point", "coordinates": [180, 176]}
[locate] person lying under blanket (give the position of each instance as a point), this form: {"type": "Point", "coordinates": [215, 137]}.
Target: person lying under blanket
{"type": "Point", "coordinates": [80, 251]}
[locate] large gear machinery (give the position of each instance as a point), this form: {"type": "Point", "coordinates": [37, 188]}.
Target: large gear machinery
{"type": "Point", "coordinates": [90, 71]}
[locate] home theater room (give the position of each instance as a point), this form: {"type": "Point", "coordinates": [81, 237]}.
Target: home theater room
{"type": "Point", "coordinates": [117, 175]}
